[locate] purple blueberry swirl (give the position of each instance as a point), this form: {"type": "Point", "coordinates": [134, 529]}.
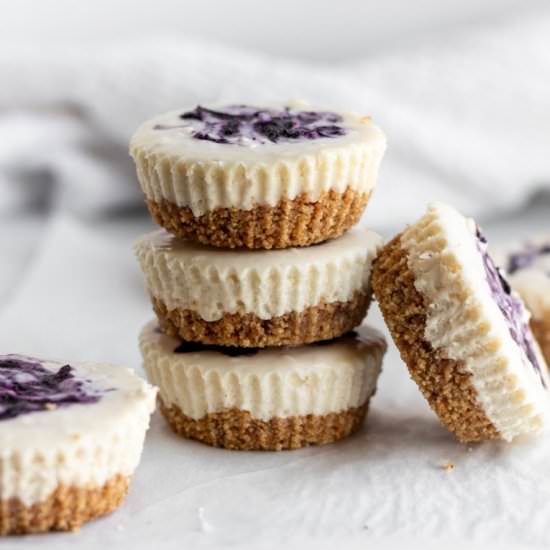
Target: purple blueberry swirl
{"type": "Point", "coordinates": [526, 258]}
{"type": "Point", "coordinates": [246, 125]}
{"type": "Point", "coordinates": [230, 351]}
{"type": "Point", "coordinates": [194, 347]}
{"type": "Point", "coordinates": [512, 308]}
{"type": "Point", "coordinates": [26, 386]}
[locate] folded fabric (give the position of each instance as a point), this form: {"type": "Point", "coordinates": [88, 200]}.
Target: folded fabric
{"type": "Point", "coordinates": [467, 114]}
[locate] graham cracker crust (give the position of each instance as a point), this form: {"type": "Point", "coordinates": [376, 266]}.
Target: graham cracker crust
{"type": "Point", "coordinates": [445, 383]}
{"type": "Point", "coordinates": [238, 430]}
{"type": "Point", "coordinates": [66, 509]}
{"type": "Point", "coordinates": [296, 222]}
{"type": "Point", "coordinates": [321, 322]}
{"type": "Point", "coordinates": [541, 331]}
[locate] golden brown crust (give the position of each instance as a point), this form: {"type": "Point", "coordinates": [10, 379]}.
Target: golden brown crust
{"type": "Point", "coordinates": [66, 509]}
{"type": "Point", "coordinates": [541, 331]}
{"type": "Point", "coordinates": [444, 382]}
{"type": "Point", "coordinates": [296, 222]}
{"type": "Point", "coordinates": [320, 322]}
{"type": "Point", "coordinates": [238, 430]}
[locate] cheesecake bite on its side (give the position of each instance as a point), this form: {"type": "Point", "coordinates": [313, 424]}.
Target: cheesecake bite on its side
{"type": "Point", "coordinates": [460, 329]}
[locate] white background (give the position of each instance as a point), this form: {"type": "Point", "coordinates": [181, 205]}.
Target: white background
{"type": "Point", "coordinates": [317, 30]}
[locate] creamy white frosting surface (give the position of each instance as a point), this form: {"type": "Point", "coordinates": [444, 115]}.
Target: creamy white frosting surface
{"type": "Point", "coordinates": [167, 134]}
{"type": "Point", "coordinates": [269, 283]}
{"type": "Point", "coordinates": [274, 382]}
{"type": "Point", "coordinates": [78, 444]}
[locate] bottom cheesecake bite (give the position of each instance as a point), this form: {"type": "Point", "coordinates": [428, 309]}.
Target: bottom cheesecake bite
{"type": "Point", "coordinates": [268, 399]}
{"type": "Point", "coordinates": [71, 436]}
{"type": "Point", "coordinates": [460, 329]}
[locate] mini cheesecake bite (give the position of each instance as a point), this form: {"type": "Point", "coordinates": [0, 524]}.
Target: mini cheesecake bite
{"type": "Point", "coordinates": [265, 399]}
{"type": "Point", "coordinates": [527, 265]}
{"type": "Point", "coordinates": [461, 330]}
{"type": "Point", "coordinates": [238, 176]}
{"type": "Point", "coordinates": [71, 436]}
{"type": "Point", "coordinates": [253, 298]}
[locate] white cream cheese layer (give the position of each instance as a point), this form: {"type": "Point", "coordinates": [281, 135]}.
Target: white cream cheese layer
{"type": "Point", "coordinates": [77, 445]}
{"type": "Point", "coordinates": [274, 382]}
{"type": "Point", "coordinates": [202, 175]}
{"type": "Point", "coordinates": [466, 323]}
{"type": "Point", "coordinates": [268, 283]}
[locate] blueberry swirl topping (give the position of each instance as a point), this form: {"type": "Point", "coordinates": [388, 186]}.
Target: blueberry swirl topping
{"type": "Point", "coordinates": [194, 347]}
{"type": "Point", "coordinates": [526, 258]}
{"type": "Point", "coordinates": [510, 305]}
{"type": "Point", "coordinates": [26, 386]}
{"type": "Point", "coordinates": [246, 125]}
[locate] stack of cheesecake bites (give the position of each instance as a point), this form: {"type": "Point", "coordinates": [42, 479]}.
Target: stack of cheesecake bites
{"type": "Point", "coordinates": [259, 279]}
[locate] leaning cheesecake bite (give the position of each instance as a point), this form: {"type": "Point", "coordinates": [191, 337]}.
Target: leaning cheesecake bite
{"type": "Point", "coordinates": [254, 298]}
{"type": "Point", "coordinates": [527, 265]}
{"type": "Point", "coordinates": [71, 436]}
{"type": "Point", "coordinates": [269, 399]}
{"type": "Point", "coordinates": [462, 332]}
{"type": "Point", "coordinates": [255, 176]}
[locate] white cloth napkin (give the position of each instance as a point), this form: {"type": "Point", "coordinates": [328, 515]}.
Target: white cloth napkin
{"type": "Point", "coordinates": [467, 114]}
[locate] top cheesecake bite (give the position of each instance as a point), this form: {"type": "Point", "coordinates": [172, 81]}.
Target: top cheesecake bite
{"type": "Point", "coordinates": [527, 265]}
{"type": "Point", "coordinates": [461, 330]}
{"type": "Point", "coordinates": [257, 177]}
